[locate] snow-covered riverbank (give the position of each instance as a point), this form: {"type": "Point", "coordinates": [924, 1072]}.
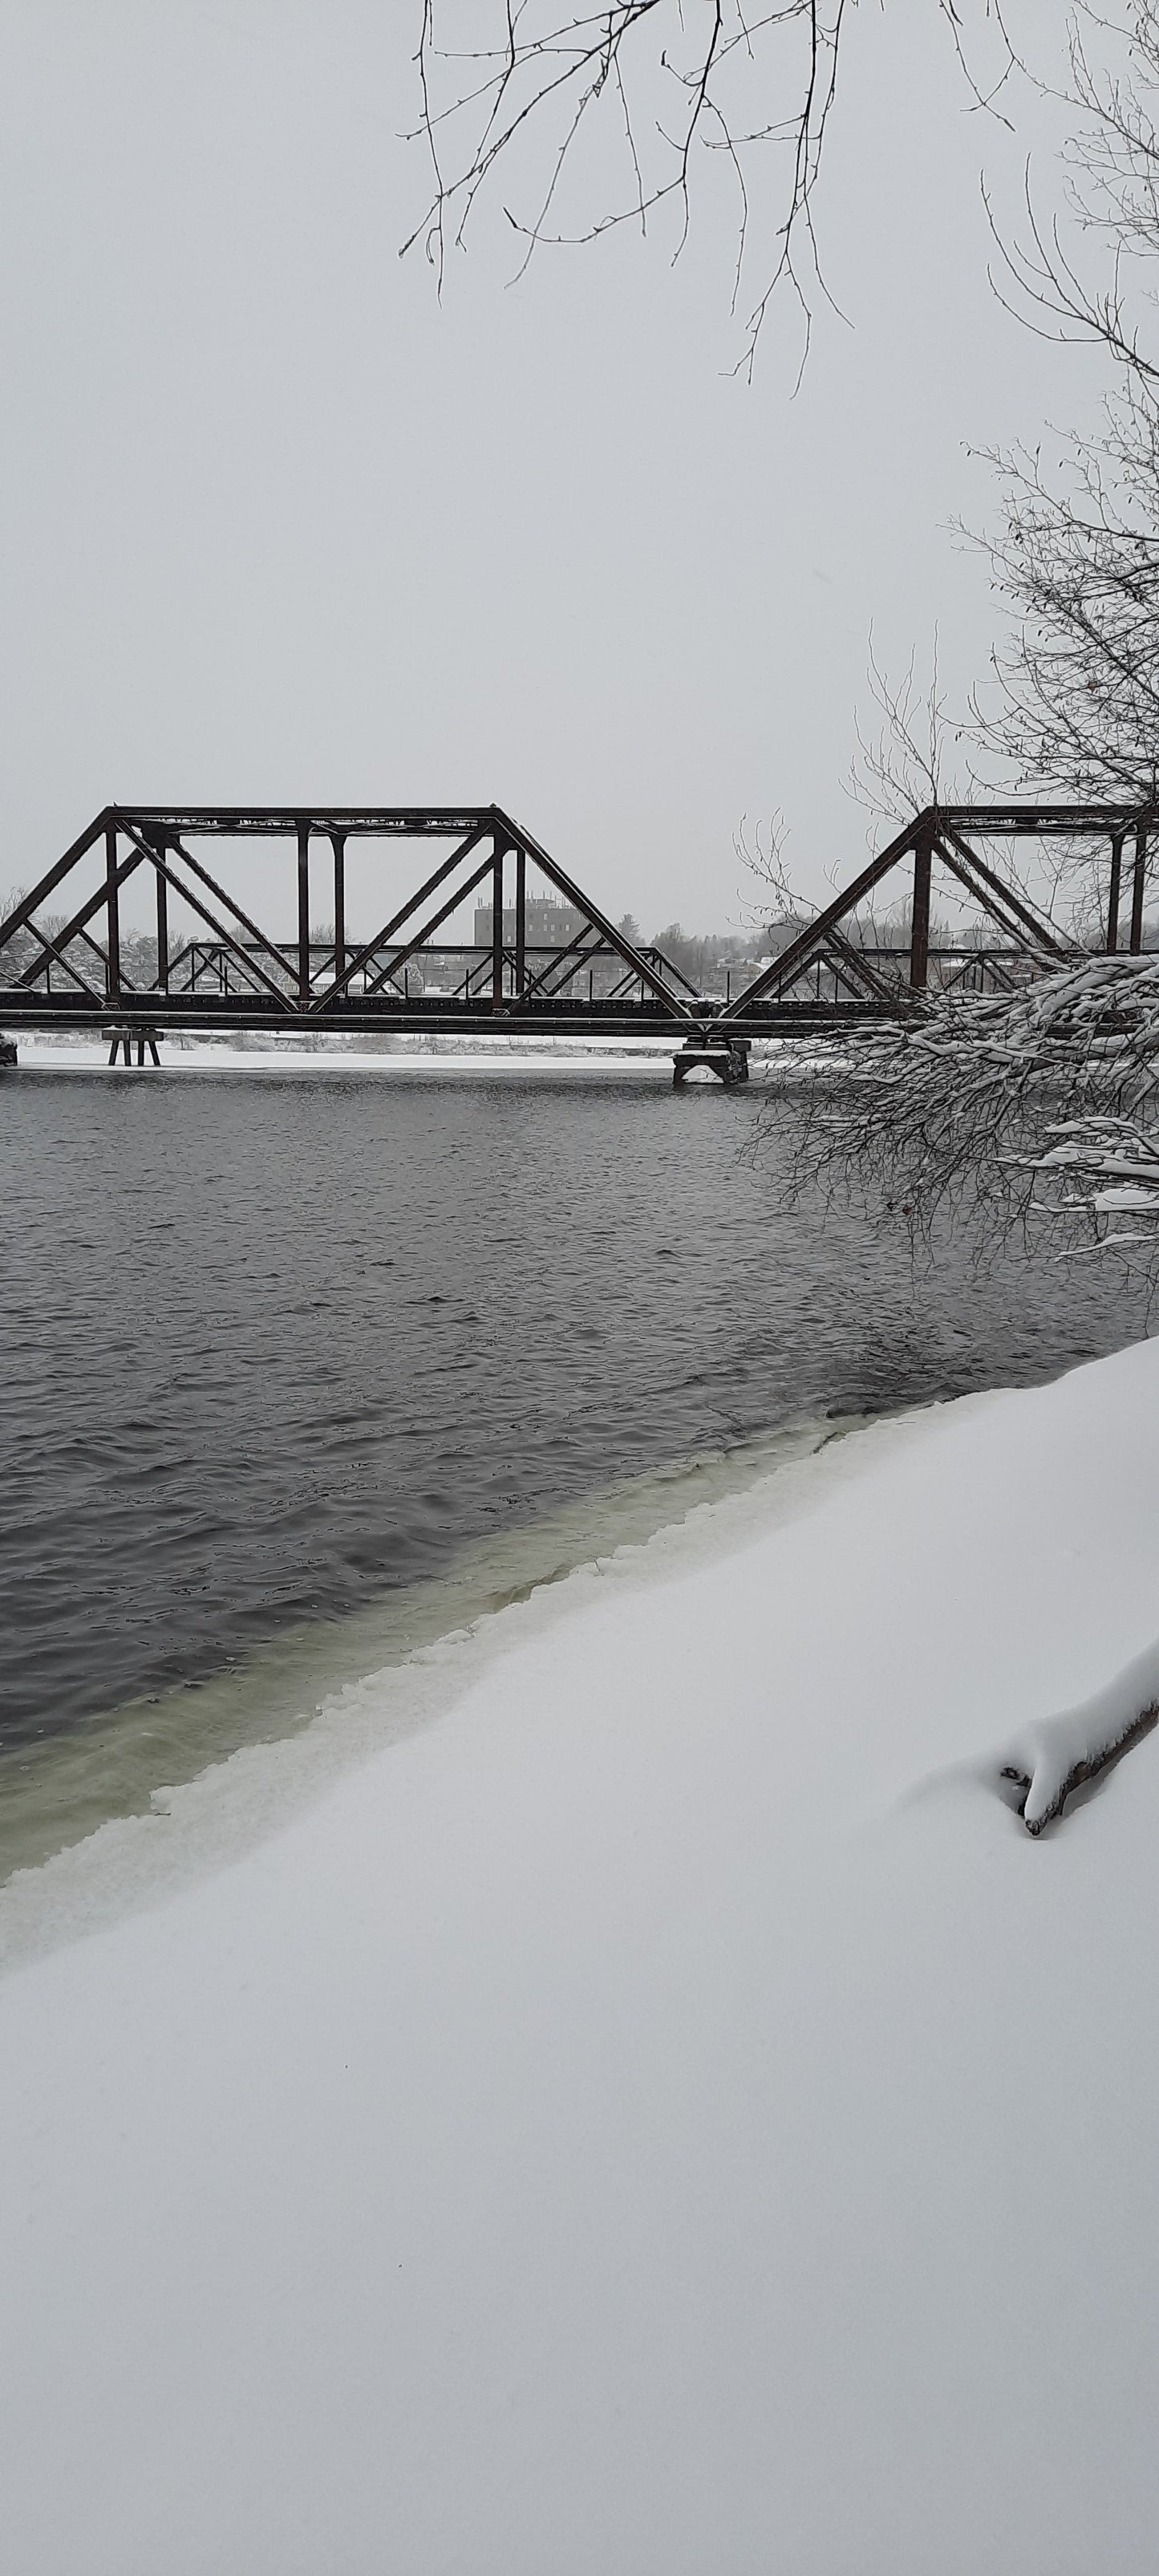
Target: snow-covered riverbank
{"type": "Point", "coordinates": [660, 2112]}
{"type": "Point", "coordinates": [427, 1054]}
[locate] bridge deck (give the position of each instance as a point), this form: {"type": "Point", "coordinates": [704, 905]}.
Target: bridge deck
{"type": "Point", "coordinates": [430, 1012]}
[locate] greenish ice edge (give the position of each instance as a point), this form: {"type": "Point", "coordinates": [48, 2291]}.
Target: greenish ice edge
{"type": "Point", "coordinates": [57, 1789]}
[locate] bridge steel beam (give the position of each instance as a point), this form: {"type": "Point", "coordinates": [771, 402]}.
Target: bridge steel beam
{"type": "Point", "coordinates": [304, 914]}
{"type": "Point", "coordinates": [162, 897]}
{"type": "Point", "coordinates": [420, 937]}
{"type": "Point", "coordinates": [939, 830]}
{"type": "Point", "coordinates": [1113, 891]}
{"type": "Point", "coordinates": [73, 928]}
{"type": "Point", "coordinates": [153, 849]}
{"type": "Point", "coordinates": [497, 923]}
{"type": "Point", "coordinates": [54, 948]}
{"type": "Point", "coordinates": [112, 918]}
{"type": "Point", "coordinates": [22, 912]}
{"type": "Point", "coordinates": [197, 903]}
{"type": "Point", "coordinates": [1138, 884]}
{"type": "Point", "coordinates": [1040, 931]}
{"type": "Point", "coordinates": [338, 845]}
{"type": "Point", "coordinates": [981, 890]}
{"type": "Point", "coordinates": [520, 924]}
{"type": "Point", "coordinates": [919, 932]}
{"type": "Point", "coordinates": [800, 950]}
{"type": "Point", "coordinates": [357, 964]}
{"type": "Point", "coordinates": [574, 894]}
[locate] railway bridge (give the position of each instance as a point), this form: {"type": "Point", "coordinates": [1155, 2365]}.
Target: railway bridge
{"type": "Point", "coordinates": [69, 960]}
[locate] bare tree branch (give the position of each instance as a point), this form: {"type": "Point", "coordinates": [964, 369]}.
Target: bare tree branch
{"type": "Point", "coordinates": [1075, 553]}
{"type": "Point", "coordinates": [907, 764]}
{"type": "Point", "coordinates": [522, 86]}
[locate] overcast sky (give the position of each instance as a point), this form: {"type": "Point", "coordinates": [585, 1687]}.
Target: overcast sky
{"type": "Point", "coordinates": [276, 524]}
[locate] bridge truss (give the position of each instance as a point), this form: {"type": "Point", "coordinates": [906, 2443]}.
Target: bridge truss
{"type": "Point", "coordinates": [67, 962]}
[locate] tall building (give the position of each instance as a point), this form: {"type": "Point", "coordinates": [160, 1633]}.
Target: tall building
{"type": "Point", "coordinates": [548, 923]}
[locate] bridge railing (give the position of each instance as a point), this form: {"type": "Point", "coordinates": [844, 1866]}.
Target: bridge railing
{"type": "Point", "coordinates": [465, 973]}
{"type": "Point", "coordinates": [965, 969]}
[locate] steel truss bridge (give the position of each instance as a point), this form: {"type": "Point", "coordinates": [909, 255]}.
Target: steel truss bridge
{"type": "Point", "coordinates": [66, 961]}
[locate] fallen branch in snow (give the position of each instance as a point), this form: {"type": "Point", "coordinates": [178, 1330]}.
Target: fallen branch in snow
{"type": "Point", "coordinates": [1067, 1752]}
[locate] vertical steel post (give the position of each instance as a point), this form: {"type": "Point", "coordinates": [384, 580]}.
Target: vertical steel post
{"type": "Point", "coordinates": [338, 843]}
{"type": "Point", "coordinates": [1138, 882]}
{"type": "Point", "coordinates": [521, 921]}
{"type": "Point", "coordinates": [162, 931]}
{"type": "Point", "coordinates": [112, 917]}
{"type": "Point", "coordinates": [303, 914]}
{"type": "Point", "coordinates": [1113, 892]}
{"type": "Point", "coordinates": [919, 943]}
{"type": "Point", "coordinates": [497, 928]}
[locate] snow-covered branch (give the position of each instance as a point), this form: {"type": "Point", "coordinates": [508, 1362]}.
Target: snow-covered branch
{"type": "Point", "coordinates": [1037, 1104]}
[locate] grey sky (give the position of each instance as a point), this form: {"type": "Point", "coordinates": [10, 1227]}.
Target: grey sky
{"type": "Point", "coordinates": [276, 525]}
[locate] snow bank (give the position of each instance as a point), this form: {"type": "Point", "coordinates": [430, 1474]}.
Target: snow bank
{"type": "Point", "coordinates": [663, 2115]}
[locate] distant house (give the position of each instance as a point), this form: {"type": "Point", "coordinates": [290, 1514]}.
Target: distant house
{"type": "Point", "coordinates": [548, 923]}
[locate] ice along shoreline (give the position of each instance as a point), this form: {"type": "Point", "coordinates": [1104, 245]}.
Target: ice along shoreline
{"type": "Point", "coordinates": [60, 1788]}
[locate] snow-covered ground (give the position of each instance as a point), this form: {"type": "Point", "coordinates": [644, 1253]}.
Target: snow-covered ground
{"type": "Point", "coordinates": [627, 2094]}
{"type": "Point", "coordinates": [441, 1055]}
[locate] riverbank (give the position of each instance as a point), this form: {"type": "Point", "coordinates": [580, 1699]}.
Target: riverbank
{"type": "Point", "coordinates": [429, 1053]}
{"type": "Point", "coordinates": [658, 2112]}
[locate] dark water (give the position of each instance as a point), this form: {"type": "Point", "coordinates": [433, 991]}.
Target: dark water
{"type": "Point", "coordinates": [273, 1346]}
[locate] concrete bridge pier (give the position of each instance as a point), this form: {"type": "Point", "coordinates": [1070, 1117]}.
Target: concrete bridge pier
{"type": "Point", "coordinates": [726, 1057]}
{"type": "Point", "coordinates": [123, 1039]}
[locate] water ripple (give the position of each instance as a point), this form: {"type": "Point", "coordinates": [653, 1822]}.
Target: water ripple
{"type": "Point", "coordinates": [272, 1351]}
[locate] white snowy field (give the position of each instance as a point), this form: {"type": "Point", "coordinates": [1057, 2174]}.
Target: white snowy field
{"type": "Point", "coordinates": [659, 2113]}
{"type": "Point", "coordinates": [440, 1055]}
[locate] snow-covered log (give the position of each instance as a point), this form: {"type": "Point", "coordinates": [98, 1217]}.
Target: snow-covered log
{"type": "Point", "coordinates": [1067, 1752]}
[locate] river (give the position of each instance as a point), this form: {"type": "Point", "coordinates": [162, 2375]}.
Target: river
{"type": "Point", "coordinates": [301, 1368]}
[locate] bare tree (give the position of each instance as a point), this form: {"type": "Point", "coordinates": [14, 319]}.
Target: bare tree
{"type": "Point", "coordinates": [909, 761]}
{"type": "Point", "coordinates": [531, 90]}
{"type": "Point", "coordinates": [1076, 550]}
{"type": "Point", "coordinates": [1039, 1105]}
{"type": "Point", "coordinates": [767, 896]}
{"type": "Point", "coordinates": [1076, 556]}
